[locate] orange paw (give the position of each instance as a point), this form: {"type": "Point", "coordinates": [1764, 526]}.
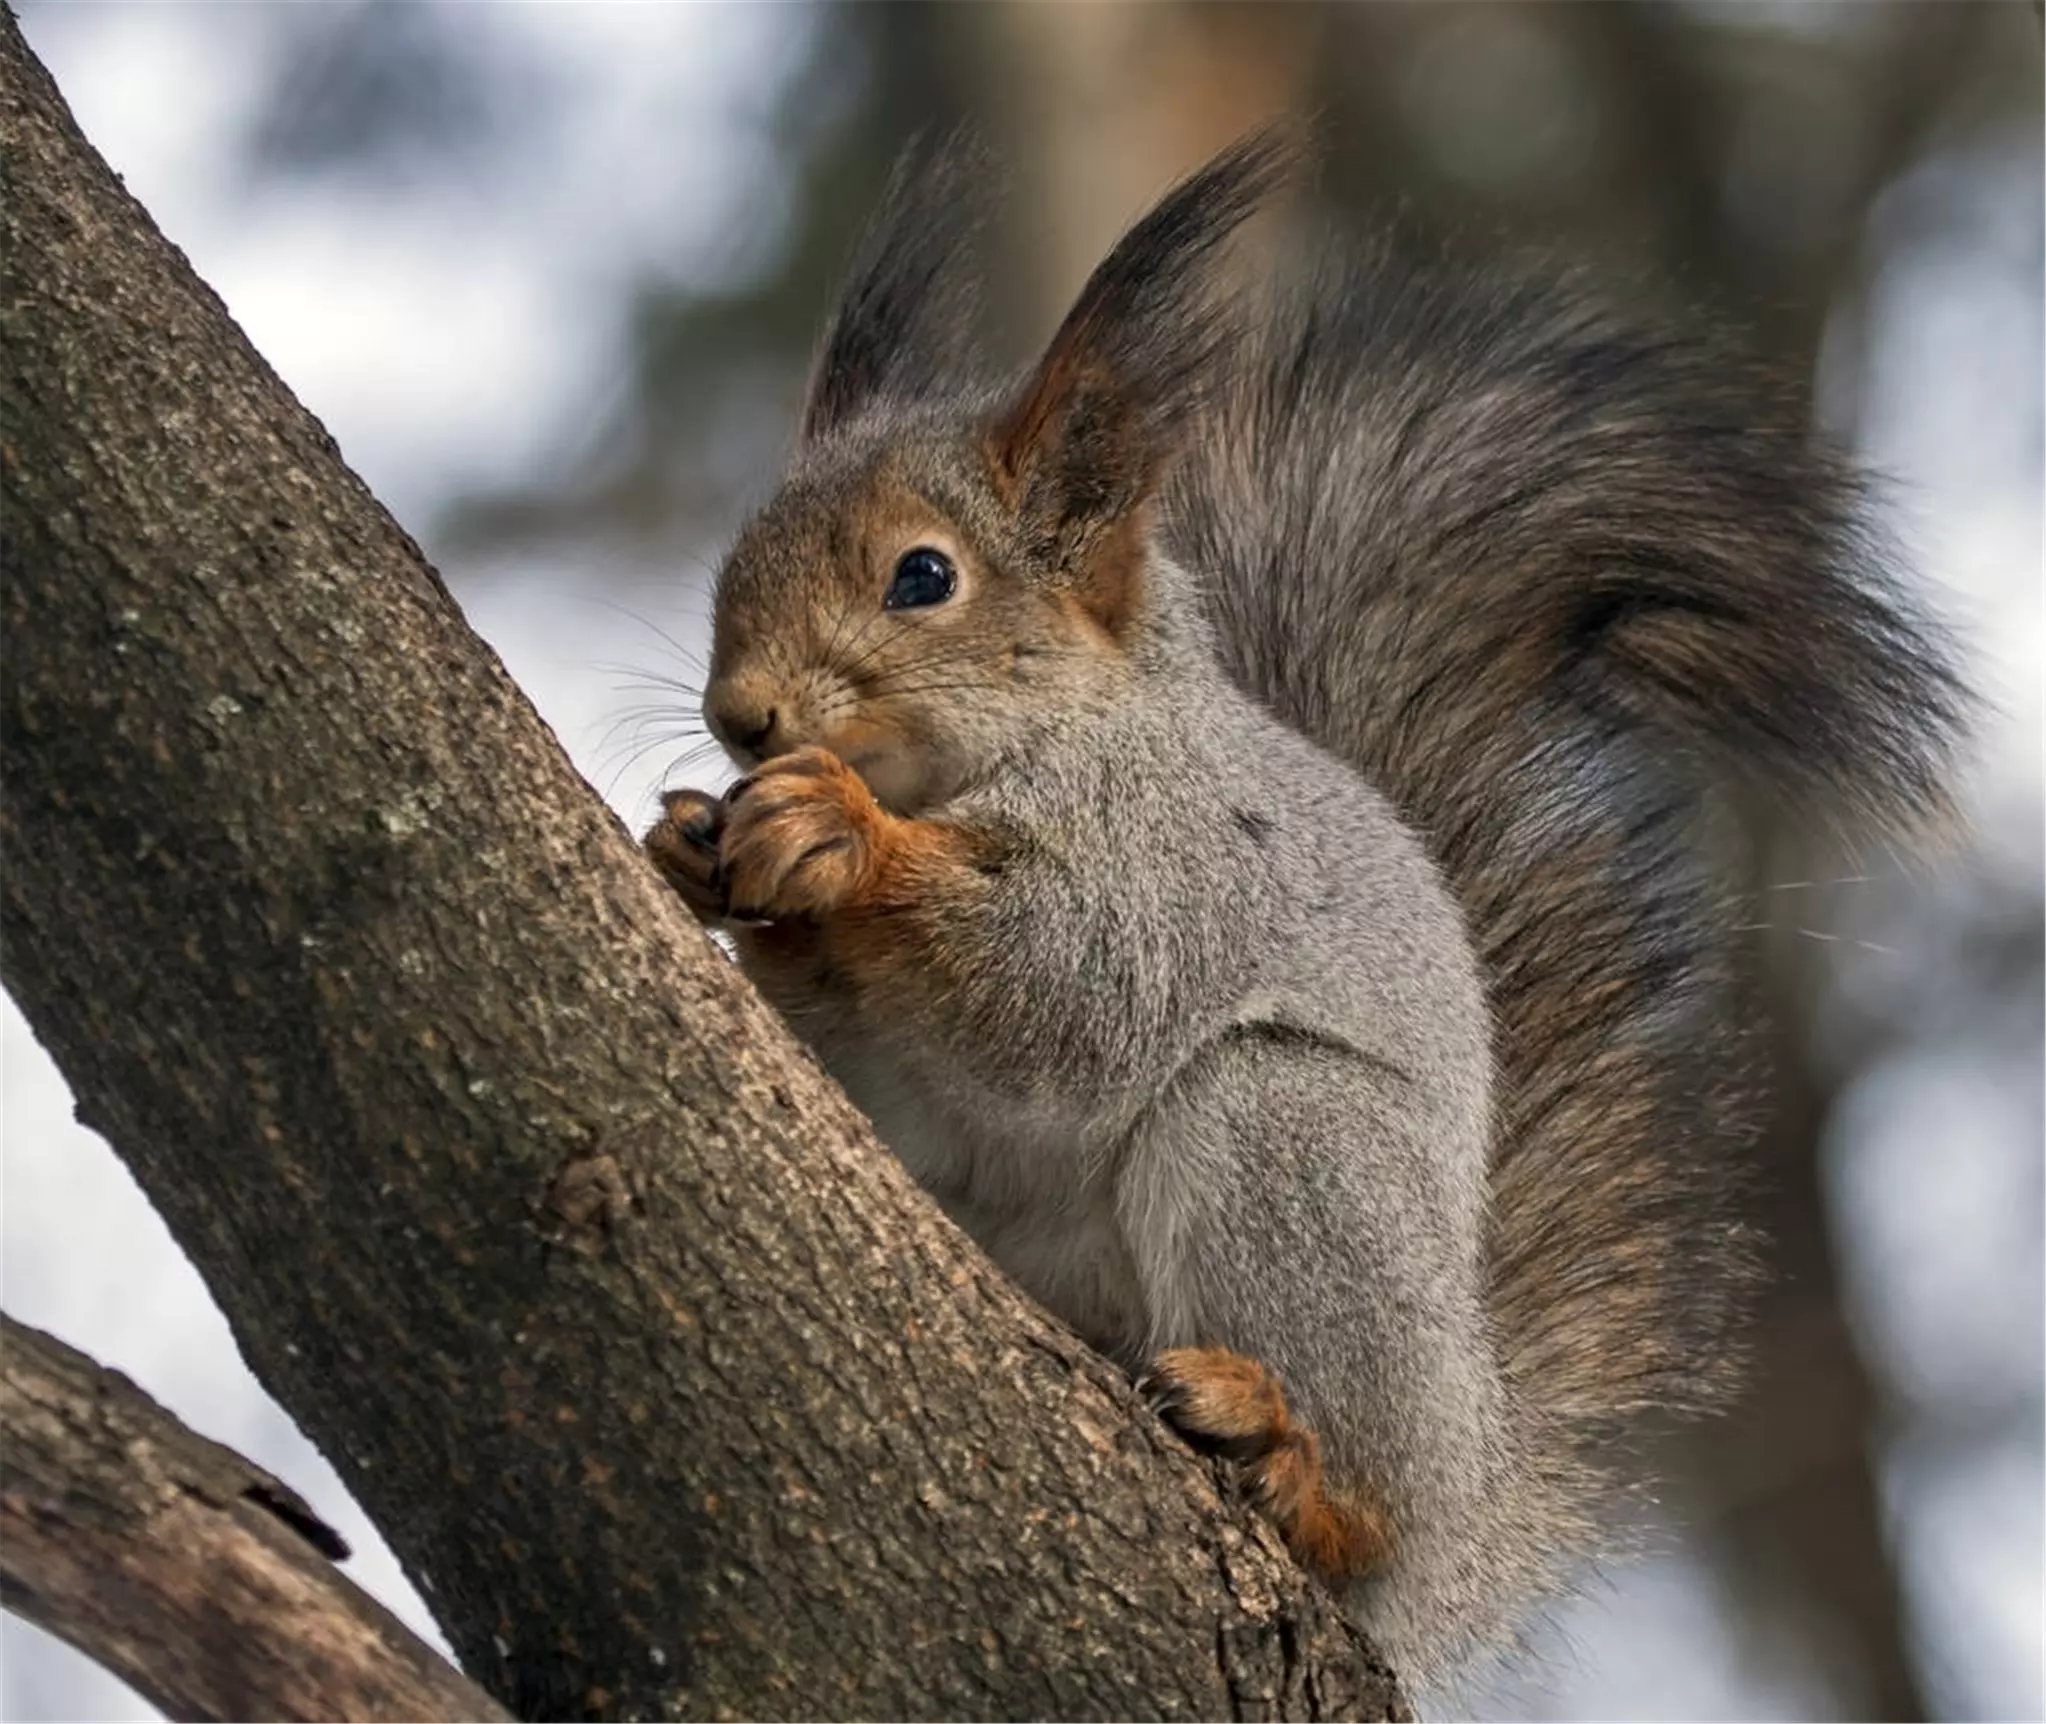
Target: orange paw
{"type": "Point", "coordinates": [1224, 1403]}
{"type": "Point", "coordinates": [802, 837]}
{"type": "Point", "coordinates": [684, 846]}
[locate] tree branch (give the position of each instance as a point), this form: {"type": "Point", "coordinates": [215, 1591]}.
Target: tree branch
{"type": "Point", "coordinates": [200, 1580]}
{"type": "Point", "coordinates": [673, 1394]}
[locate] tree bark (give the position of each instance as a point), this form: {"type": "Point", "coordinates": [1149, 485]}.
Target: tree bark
{"type": "Point", "coordinates": [673, 1394]}
{"type": "Point", "coordinates": [202, 1581]}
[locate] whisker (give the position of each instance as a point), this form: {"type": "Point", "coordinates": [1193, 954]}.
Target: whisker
{"type": "Point", "coordinates": [650, 713]}
{"type": "Point", "coordinates": [681, 762]}
{"type": "Point", "coordinates": [895, 675]}
{"type": "Point", "coordinates": [653, 684]}
{"type": "Point", "coordinates": [945, 685]}
{"type": "Point", "coordinates": [636, 738]}
{"type": "Point", "coordinates": [945, 654]}
{"type": "Point", "coordinates": [844, 616]}
{"type": "Point", "coordinates": [856, 665]}
{"type": "Point", "coordinates": [643, 716]}
{"type": "Point", "coordinates": [1818, 934]}
{"type": "Point", "coordinates": [615, 775]}
{"type": "Point", "coordinates": [685, 654]}
{"type": "Point", "coordinates": [665, 709]}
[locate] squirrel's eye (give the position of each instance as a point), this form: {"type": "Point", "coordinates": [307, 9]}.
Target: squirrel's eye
{"type": "Point", "coordinates": [923, 577]}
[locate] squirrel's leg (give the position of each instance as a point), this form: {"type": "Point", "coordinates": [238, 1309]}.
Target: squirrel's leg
{"type": "Point", "coordinates": [1318, 1213]}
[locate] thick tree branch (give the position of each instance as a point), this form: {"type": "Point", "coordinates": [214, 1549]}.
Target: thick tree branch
{"type": "Point", "coordinates": [199, 1579]}
{"type": "Point", "coordinates": [672, 1392]}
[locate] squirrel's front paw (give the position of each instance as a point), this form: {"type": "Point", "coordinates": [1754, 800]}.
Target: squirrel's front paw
{"type": "Point", "coordinates": [684, 846]}
{"type": "Point", "coordinates": [800, 837]}
{"type": "Point", "coordinates": [1226, 1404]}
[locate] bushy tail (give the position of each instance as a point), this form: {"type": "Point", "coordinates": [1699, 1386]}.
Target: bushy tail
{"type": "Point", "coordinates": [1554, 581]}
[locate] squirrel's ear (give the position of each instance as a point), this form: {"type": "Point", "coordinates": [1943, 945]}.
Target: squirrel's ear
{"type": "Point", "coordinates": [1088, 437]}
{"type": "Point", "coordinates": [907, 317]}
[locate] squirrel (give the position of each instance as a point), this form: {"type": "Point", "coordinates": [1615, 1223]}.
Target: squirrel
{"type": "Point", "coordinates": [1240, 805]}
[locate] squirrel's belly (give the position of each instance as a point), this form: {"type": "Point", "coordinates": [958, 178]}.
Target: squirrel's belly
{"type": "Point", "coordinates": [1074, 1263]}
{"type": "Point", "coordinates": [1027, 1190]}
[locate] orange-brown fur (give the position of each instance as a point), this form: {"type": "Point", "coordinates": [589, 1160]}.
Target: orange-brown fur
{"type": "Point", "coordinates": [834, 882]}
{"type": "Point", "coordinates": [1225, 1402]}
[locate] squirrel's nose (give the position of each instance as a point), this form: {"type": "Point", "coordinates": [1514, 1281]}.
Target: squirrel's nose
{"type": "Point", "coordinates": [742, 725]}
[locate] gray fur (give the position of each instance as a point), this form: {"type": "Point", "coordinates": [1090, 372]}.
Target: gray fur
{"type": "Point", "coordinates": [1244, 1098]}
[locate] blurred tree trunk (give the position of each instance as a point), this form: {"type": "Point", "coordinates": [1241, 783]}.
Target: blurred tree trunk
{"type": "Point", "coordinates": [674, 1395]}
{"type": "Point", "coordinates": [1055, 87]}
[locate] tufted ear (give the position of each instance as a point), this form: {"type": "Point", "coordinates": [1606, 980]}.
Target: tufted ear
{"type": "Point", "coordinates": [907, 318]}
{"type": "Point", "coordinates": [1086, 439]}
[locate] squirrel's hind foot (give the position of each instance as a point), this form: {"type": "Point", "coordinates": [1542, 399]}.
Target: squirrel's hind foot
{"type": "Point", "coordinates": [1226, 1404]}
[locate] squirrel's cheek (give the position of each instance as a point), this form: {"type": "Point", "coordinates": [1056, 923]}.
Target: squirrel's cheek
{"type": "Point", "coordinates": [900, 777]}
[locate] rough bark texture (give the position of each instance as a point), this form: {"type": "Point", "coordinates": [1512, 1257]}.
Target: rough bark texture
{"type": "Point", "coordinates": [673, 1394]}
{"type": "Point", "coordinates": [200, 1580]}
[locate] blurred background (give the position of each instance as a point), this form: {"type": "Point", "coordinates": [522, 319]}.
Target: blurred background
{"type": "Point", "coordinates": [551, 274]}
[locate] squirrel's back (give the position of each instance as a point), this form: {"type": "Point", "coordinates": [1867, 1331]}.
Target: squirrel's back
{"type": "Point", "coordinates": [1556, 582]}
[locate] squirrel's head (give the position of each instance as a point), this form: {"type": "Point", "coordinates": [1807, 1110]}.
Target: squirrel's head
{"type": "Point", "coordinates": [951, 565]}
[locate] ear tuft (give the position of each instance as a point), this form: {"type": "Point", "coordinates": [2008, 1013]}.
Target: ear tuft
{"type": "Point", "coordinates": [1095, 424]}
{"type": "Point", "coordinates": [907, 318]}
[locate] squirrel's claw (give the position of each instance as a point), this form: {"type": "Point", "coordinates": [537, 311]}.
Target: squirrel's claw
{"type": "Point", "coordinates": [1219, 1402]}
{"type": "Point", "coordinates": [1226, 1404]}
{"type": "Point", "coordinates": [799, 837]}
{"type": "Point", "coordinates": [683, 845]}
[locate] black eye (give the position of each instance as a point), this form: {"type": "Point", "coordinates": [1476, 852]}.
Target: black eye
{"type": "Point", "coordinates": [923, 577]}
